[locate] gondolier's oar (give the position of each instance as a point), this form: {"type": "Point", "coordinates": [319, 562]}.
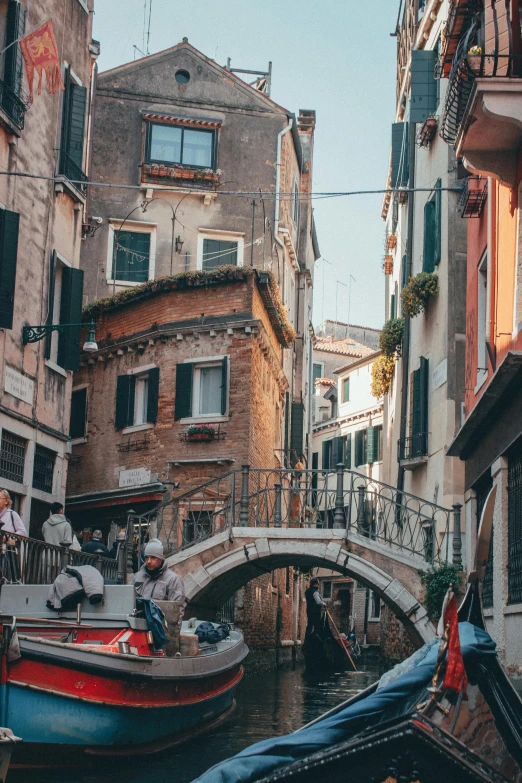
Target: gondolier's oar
{"type": "Point", "coordinates": [52, 622]}
{"type": "Point", "coordinates": [341, 641]}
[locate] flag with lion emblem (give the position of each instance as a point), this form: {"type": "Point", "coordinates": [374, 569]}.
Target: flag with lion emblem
{"type": "Point", "coordinates": [40, 54]}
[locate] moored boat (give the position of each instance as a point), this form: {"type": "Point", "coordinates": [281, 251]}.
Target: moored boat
{"type": "Point", "coordinates": [98, 686]}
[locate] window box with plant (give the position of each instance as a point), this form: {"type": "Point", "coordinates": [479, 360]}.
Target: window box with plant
{"type": "Point", "coordinates": [388, 265]}
{"type": "Point", "coordinates": [201, 432]}
{"type": "Point", "coordinates": [417, 292]}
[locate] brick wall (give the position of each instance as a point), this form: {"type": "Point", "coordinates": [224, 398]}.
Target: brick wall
{"type": "Point", "coordinates": [395, 642]}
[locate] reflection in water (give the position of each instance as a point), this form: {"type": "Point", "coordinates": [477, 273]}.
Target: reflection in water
{"type": "Point", "coordinates": [269, 704]}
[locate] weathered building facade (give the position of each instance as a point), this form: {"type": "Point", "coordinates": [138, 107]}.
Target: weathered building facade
{"type": "Point", "coordinates": [41, 229]}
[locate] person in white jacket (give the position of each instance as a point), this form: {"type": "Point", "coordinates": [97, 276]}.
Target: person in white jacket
{"type": "Point", "coordinates": [57, 529]}
{"type": "Point", "coordinates": [10, 522]}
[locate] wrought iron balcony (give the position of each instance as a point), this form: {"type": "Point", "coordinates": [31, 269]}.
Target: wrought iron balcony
{"type": "Point", "coordinates": [73, 172]}
{"type": "Point", "coordinates": [414, 447]}
{"type": "Point", "coordinates": [13, 104]}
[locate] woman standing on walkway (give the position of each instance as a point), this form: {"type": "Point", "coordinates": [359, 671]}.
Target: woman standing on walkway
{"type": "Point", "coordinates": [10, 522]}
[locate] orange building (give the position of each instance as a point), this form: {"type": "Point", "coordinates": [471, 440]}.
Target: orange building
{"type": "Point", "coordinates": [482, 119]}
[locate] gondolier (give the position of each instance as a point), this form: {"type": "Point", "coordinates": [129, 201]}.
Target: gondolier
{"type": "Point", "coordinates": [155, 579]}
{"type": "Point", "coordinates": [315, 607]}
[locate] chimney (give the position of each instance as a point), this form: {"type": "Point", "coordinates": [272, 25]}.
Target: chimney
{"type": "Point", "coordinates": [306, 121]}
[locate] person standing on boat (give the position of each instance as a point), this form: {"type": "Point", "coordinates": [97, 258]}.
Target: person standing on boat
{"type": "Point", "coordinates": [155, 579]}
{"type": "Point", "coordinates": [315, 606]}
{"type": "Point", "coordinates": [10, 522]}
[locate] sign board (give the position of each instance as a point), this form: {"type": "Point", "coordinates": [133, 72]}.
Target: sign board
{"type": "Point", "coordinates": [440, 375]}
{"type": "Point", "coordinates": [18, 385]}
{"type": "Point", "coordinates": [134, 478]}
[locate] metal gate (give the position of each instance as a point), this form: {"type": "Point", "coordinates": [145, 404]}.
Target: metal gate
{"type": "Point", "coordinates": [515, 526]}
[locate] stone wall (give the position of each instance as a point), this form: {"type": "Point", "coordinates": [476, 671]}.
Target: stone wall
{"type": "Point", "coordinates": [395, 642]}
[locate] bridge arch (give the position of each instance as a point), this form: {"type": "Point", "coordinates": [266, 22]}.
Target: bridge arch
{"type": "Point", "coordinates": [215, 569]}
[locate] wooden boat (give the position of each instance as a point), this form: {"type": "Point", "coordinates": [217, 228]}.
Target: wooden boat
{"type": "Point", "coordinates": [97, 687]}
{"type": "Point", "coordinates": [324, 651]}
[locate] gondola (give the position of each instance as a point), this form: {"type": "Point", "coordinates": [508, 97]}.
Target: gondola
{"type": "Point", "coordinates": [409, 726]}
{"type": "Point", "coordinates": [324, 651]}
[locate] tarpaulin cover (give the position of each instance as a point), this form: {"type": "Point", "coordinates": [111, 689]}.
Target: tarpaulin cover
{"type": "Point", "coordinates": [392, 700]}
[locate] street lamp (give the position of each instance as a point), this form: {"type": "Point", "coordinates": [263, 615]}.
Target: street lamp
{"type": "Point", "coordinates": [32, 334]}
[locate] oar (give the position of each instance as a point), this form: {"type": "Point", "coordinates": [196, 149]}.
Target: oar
{"type": "Point", "coordinates": [341, 641]}
{"type": "Point", "coordinates": [63, 623]}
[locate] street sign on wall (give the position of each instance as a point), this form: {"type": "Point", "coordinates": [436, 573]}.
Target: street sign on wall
{"type": "Point", "coordinates": [135, 477]}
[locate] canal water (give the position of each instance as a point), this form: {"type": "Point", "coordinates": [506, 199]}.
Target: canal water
{"type": "Point", "coordinates": [268, 704]}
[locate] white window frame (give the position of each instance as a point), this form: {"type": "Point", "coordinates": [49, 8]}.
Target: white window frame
{"type": "Point", "coordinates": [482, 327]}
{"type": "Point", "coordinates": [196, 388]}
{"type": "Point", "coordinates": [137, 227]}
{"type": "Point", "coordinates": [52, 361]}
{"type": "Point", "coordinates": [145, 425]}
{"type": "Point", "coordinates": [373, 618]}
{"type": "Point", "coordinates": [222, 236]}
{"type": "Point", "coordinates": [208, 417]}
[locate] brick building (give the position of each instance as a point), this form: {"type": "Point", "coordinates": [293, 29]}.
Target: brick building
{"type": "Point", "coordinates": [202, 308]}
{"type": "Point", "coordinates": [41, 224]}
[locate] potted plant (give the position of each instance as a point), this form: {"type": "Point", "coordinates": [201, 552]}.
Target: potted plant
{"type": "Point", "coordinates": [390, 340]}
{"type": "Point", "coordinates": [391, 241]}
{"type": "Point", "coordinates": [382, 376]}
{"type": "Point", "coordinates": [201, 432]}
{"type": "Point", "coordinates": [417, 292]}
{"type": "Point", "coordinates": [475, 58]}
{"type": "Point", "coordinates": [388, 265]}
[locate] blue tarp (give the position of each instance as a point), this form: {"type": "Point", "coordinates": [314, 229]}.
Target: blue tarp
{"type": "Point", "coordinates": [394, 699]}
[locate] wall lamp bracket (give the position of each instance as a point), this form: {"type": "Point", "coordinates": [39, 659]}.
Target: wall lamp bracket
{"type": "Point", "coordinates": [33, 334]}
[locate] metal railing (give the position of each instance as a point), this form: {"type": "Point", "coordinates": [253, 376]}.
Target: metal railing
{"type": "Point", "coordinates": [415, 446]}
{"type": "Point", "coordinates": [13, 105]}
{"type": "Point", "coordinates": [341, 499]}
{"type": "Point", "coordinates": [72, 171]}
{"type": "Point", "coordinates": [29, 561]}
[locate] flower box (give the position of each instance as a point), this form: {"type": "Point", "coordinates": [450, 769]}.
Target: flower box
{"type": "Point", "coordinates": [391, 241]}
{"type": "Point", "coordinates": [388, 265]}
{"type": "Point", "coordinates": [201, 433]}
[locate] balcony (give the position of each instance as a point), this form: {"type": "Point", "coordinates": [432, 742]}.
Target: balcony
{"type": "Point", "coordinates": [73, 177]}
{"type": "Point", "coordinates": [413, 452]}
{"type": "Point", "coordinates": [482, 115]}
{"type": "Point", "coordinates": [12, 105]}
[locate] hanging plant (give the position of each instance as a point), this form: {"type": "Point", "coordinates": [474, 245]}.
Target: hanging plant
{"type": "Point", "coordinates": [388, 265]}
{"type": "Point", "coordinates": [382, 376]}
{"type": "Point", "coordinates": [391, 241]}
{"type": "Point", "coordinates": [436, 583]}
{"type": "Point", "coordinates": [417, 292]}
{"type": "Point", "coordinates": [390, 341]}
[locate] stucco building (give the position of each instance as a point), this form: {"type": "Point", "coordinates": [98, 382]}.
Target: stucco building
{"type": "Point", "coordinates": [41, 227]}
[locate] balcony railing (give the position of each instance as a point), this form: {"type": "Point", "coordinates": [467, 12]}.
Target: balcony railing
{"type": "Point", "coordinates": [13, 105]}
{"type": "Point", "coordinates": [411, 448]}
{"type": "Point", "coordinates": [33, 562]}
{"type": "Point", "coordinates": [73, 172]}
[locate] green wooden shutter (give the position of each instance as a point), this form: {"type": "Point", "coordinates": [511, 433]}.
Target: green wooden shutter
{"type": "Point", "coordinates": [348, 450]}
{"type": "Point", "coordinates": [78, 414]}
{"type": "Point", "coordinates": [15, 28]}
{"type": "Point", "coordinates": [296, 431]}
{"type": "Point", "coordinates": [358, 456]}
{"type": "Point", "coordinates": [404, 273]}
{"type": "Point", "coordinates": [125, 388]}
{"type": "Point", "coordinates": [393, 307]}
{"type": "Point", "coordinates": [9, 223]}
{"type": "Point", "coordinates": [338, 451]}
{"type": "Point", "coordinates": [416, 423]}
{"type": "Point", "coordinates": [73, 120]}
{"type": "Point", "coordinates": [423, 93]}
{"type": "Point", "coordinates": [399, 155]}
{"type": "Point", "coordinates": [326, 454]}
{"type": "Point", "coordinates": [224, 385]}
{"type": "Point", "coordinates": [153, 395]}
{"type": "Point", "coordinates": [438, 224]}
{"type": "Point", "coordinates": [424, 393]}
{"type": "Point", "coordinates": [371, 445]}
{"type": "Point", "coordinates": [428, 262]}
{"type": "Point", "coordinates": [346, 390]}
{"type": "Point", "coordinates": [70, 313]}
{"type": "Point", "coordinates": [183, 403]}
{"type": "Point", "coordinates": [50, 305]}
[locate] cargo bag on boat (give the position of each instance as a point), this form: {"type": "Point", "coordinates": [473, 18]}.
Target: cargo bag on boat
{"type": "Point", "coordinates": [207, 632]}
{"type": "Point", "coordinates": [72, 585]}
{"type": "Point", "coordinates": [156, 622]}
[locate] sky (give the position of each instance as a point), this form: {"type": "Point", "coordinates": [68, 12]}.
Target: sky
{"type": "Point", "coordinates": [334, 56]}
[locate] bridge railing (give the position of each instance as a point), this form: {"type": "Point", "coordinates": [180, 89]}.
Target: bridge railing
{"type": "Point", "coordinates": [340, 498]}
{"type": "Point", "coordinates": [30, 561]}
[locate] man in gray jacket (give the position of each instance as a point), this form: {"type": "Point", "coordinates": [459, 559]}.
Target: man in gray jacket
{"type": "Point", "coordinates": [155, 580]}
{"type": "Point", "coordinates": [57, 529]}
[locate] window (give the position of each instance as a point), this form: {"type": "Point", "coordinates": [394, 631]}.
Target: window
{"type": "Point", "coordinates": [287, 581]}
{"type": "Point", "coordinates": [137, 398]}
{"type": "Point", "coordinates": [318, 369]}
{"type": "Point", "coordinates": [399, 155]}
{"type": "Point", "coordinates": [73, 129]}
{"type": "Point", "coordinates": [327, 454]}
{"type": "Point", "coordinates": [296, 432]}
{"type": "Point", "coordinates": [177, 144]}
{"type": "Point", "coordinates": [78, 423]}
{"type": "Point", "coordinates": [423, 84]}
{"type": "Point", "coordinates": [375, 606]}
{"type": "Point", "coordinates": [182, 77]}
{"type": "Point", "coordinates": [12, 457]}
{"type": "Point", "coordinates": [13, 64]}
{"type": "Point", "coordinates": [8, 257]}
{"type": "Point", "coordinates": [218, 253]}
{"type": "Point", "coordinates": [327, 590]}
{"type": "Point", "coordinates": [131, 253]}
{"type": "Point", "coordinates": [64, 307]}
{"type": "Point", "coordinates": [432, 231]}
{"type": "Point", "coordinates": [347, 451]}
{"type": "Point", "coordinates": [219, 248]}
{"type": "Point", "coordinates": [202, 388]}
{"type": "Point", "coordinates": [482, 299]}
{"type": "Point", "coordinates": [295, 211]}
{"type": "Point", "coordinates": [360, 448]}
{"type": "Point", "coordinates": [345, 393]}
{"type": "Point", "coordinates": [43, 470]}
{"type": "Point", "coordinates": [419, 409]}
{"type": "Point", "coordinates": [373, 444]}
{"type": "Point", "coordinates": [197, 526]}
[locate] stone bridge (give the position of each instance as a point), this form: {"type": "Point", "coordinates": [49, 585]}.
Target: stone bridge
{"type": "Point", "coordinates": [215, 568]}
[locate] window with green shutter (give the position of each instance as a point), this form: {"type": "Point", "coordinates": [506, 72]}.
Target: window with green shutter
{"type": "Point", "coordinates": [317, 371]}
{"type": "Point", "coordinates": [124, 401]}
{"type": "Point", "coordinates": [218, 253]}
{"type": "Point", "coordinates": [70, 313]}
{"type": "Point", "coordinates": [137, 397]}
{"type": "Point", "coordinates": [404, 271]}
{"type": "Point", "coordinates": [183, 401]}
{"type": "Point", "coordinates": [9, 224]}
{"type": "Point", "coordinates": [327, 454]}
{"type": "Point", "coordinates": [13, 62]}
{"type": "Point", "coordinates": [296, 432]}
{"type": "Point", "coordinates": [432, 231]}
{"type": "Point", "coordinates": [423, 95]}
{"type": "Point", "coordinates": [73, 128]}
{"type": "Point", "coordinates": [419, 409]}
{"type": "Point", "coordinates": [78, 421]}
{"type": "Point", "coordinates": [131, 256]}
{"type": "Point", "coordinates": [371, 445]}
{"type": "Point", "coordinates": [393, 307]}
{"type": "Point", "coordinates": [399, 155]}
{"type": "Point", "coordinates": [348, 450]}
{"type": "Point", "coordinates": [202, 388]}
{"type": "Point", "coordinates": [360, 448]}
{"type": "Point", "coordinates": [346, 390]}
{"type": "Point", "coordinates": [337, 451]}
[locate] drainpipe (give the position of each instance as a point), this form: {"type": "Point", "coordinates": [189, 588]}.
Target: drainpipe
{"type": "Point", "coordinates": [278, 181]}
{"type": "Point", "coordinates": [491, 203]}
